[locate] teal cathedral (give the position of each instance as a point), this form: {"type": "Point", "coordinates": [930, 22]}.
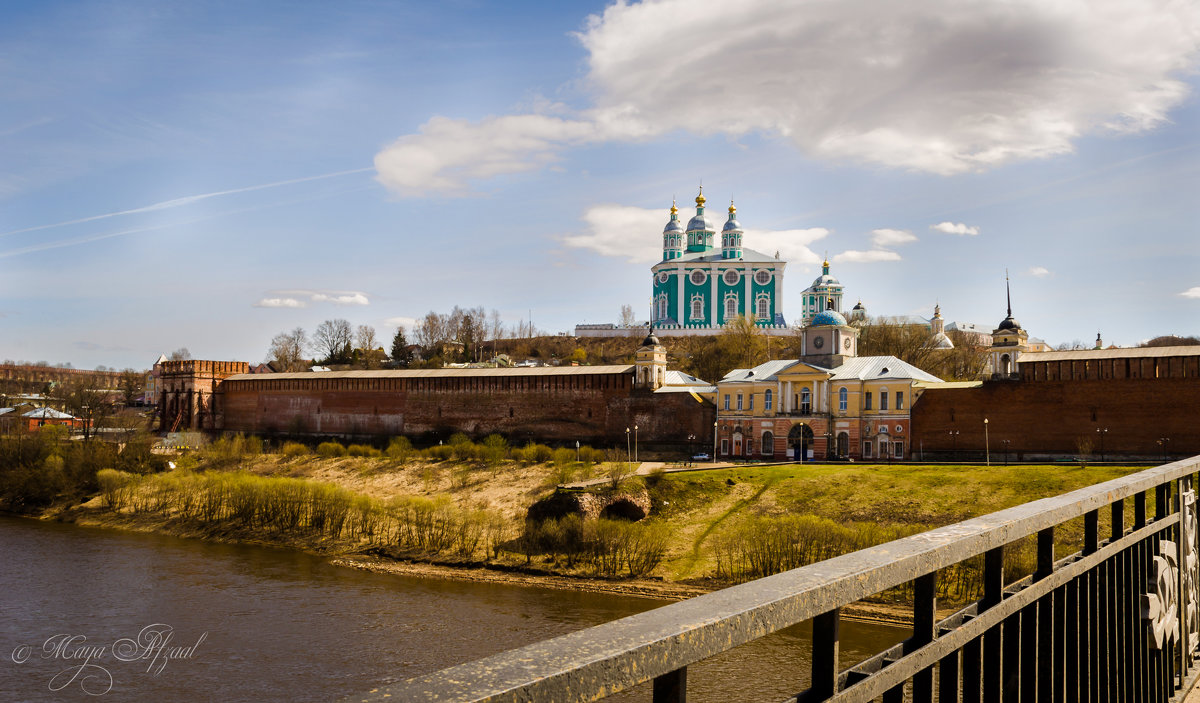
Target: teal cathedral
{"type": "Point", "coordinates": [698, 286]}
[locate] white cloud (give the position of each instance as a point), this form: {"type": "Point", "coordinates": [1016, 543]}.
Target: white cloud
{"type": "Point", "coordinates": [954, 228]}
{"type": "Point", "coordinates": [1191, 292]}
{"type": "Point", "coordinates": [1038, 271]}
{"type": "Point", "coordinates": [635, 234]}
{"type": "Point", "coordinates": [351, 298]}
{"type": "Point", "coordinates": [280, 303]}
{"type": "Point", "coordinates": [401, 321]}
{"type": "Point", "coordinates": [295, 298]}
{"type": "Point", "coordinates": [891, 237]}
{"type": "Point", "coordinates": [447, 154]}
{"type": "Point", "coordinates": [931, 85]}
{"type": "Point", "coordinates": [851, 256]}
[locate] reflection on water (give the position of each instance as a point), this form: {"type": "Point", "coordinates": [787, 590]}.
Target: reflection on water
{"type": "Point", "coordinates": [282, 625]}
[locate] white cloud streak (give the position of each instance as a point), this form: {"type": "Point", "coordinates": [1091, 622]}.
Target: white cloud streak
{"type": "Point", "coordinates": [1038, 271]}
{"type": "Point", "coordinates": [401, 321]}
{"type": "Point", "coordinates": [930, 85]}
{"type": "Point", "coordinates": [186, 200]}
{"type": "Point", "coordinates": [954, 228]}
{"type": "Point", "coordinates": [302, 298]}
{"type": "Point", "coordinates": [280, 303]}
{"type": "Point", "coordinates": [1191, 292]}
{"type": "Point", "coordinates": [891, 237]}
{"type": "Point", "coordinates": [852, 256]}
{"type": "Point", "coordinates": [631, 232]}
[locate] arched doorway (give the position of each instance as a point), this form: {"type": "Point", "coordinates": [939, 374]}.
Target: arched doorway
{"type": "Point", "coordinates": [843, 444]}
{"type": "Point", "coordinates": [737, 443]}
{"type": "Point", "coordinates": [800, 439]}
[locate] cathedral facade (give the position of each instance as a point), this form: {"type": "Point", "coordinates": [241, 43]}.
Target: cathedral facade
{"type": "Point", "coordinates": [699, 286]}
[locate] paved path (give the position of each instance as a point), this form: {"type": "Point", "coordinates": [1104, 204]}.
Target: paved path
{"type": "Point", "coordinates": [647, 467]}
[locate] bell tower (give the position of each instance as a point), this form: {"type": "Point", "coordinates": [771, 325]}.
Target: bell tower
{"type": "Point", "coordinates": [650, 368]}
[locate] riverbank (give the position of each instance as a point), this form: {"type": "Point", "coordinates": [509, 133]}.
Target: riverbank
{"type": "Point", "coordinates": [93, 514]}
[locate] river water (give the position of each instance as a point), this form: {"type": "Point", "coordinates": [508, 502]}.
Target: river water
{"type": "Point", "coordinates": [93, 614]}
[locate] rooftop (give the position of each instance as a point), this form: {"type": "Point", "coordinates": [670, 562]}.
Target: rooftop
{"type": "Point", "coordinates": [440, 373]}
{"type": "Point", "coordinates": [1119, 353]}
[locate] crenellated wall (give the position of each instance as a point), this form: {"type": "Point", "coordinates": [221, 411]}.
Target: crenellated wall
{"type": "Point", "coordinates": [588, 404]}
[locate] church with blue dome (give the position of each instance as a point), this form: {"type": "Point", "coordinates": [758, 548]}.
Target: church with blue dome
{"type": "Point", "coordinates": [698, 286]}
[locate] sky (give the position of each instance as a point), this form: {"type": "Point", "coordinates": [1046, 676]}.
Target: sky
{"type": "Point", "coordinates": [209, 174]}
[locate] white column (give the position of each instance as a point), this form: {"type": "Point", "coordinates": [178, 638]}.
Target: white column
{"type": "Point", "coordinates": [778, 276]}
{"type": "Point", "coordinates": [680, 303]}
{"type": "Point", "coordinates": [714, 288]}
{"type": "Point", "coordinates": [747, 301]}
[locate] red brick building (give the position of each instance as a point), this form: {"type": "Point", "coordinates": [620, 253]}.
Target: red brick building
{"type": "Point", "coordinates": [592, 404]}
{"type": "Point", "coordinates": [1142, 402]}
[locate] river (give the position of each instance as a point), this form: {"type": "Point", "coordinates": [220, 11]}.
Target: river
{"type": "Point", "coordinates": [95, 614]}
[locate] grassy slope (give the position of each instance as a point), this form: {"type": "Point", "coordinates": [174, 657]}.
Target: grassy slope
{"type": "Point", "coordinates": [916, 496]}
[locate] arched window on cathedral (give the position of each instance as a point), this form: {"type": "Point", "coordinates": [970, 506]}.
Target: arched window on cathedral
{"type": "Point", "coordinates": [842, 399]}
{"type": "Point", "coordinates": [763, 308]}
{"type": "Point", "coordinates": [697, 307]}
{"type": "Point", "coordinates": [731, 305]}
{"type": "Point", "coordinates": [806, 401]}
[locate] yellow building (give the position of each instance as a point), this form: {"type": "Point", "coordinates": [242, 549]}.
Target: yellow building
{"type": "Point", "coordinates": [821, 406]}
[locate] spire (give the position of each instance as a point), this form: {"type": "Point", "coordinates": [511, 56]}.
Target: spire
{"type": "Point", "coordinates": [1008, 292]}
{"type": "Point", "coordinates": [732, 210]}
{"type": "Point", "coordinates": [700, 200]}
{"type": "Point", "coordinates": [674, 210]}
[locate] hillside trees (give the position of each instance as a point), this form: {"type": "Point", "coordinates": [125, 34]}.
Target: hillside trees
{"type": "Point", "coordinates": [287, 350]}
{"type": "Point", "coordinates": [332, 341]}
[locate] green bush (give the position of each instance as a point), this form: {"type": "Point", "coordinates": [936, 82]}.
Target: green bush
{"type": "Point", "coordinates": [330, 450]}
{"type": "Point", "coordinates": [399, 449]}
{"type": "Point", "coordinates": [363, 450]}
{"type": "Point", "coordinates": [291, 450]}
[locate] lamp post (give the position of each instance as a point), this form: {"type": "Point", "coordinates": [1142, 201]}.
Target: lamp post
{"type": "Point", "coordinates": [954, 445]}
{"type": "Point", "coordinates": [802, 449]}
{"type": "Point", "coordinates": [1163, 442]}
{"type": "Point", "coordinates": [1100, 433]}
{"type": "Point", "coordinates": [691, 448]}
{"type": "Point", "coordinates": [1005, 443]}
{"type": "Point", "coordinates": [987, 451]}
{"type": "Point", "coordinates": [714, 454]}
{"type": "Point", "coordinates": [635, 429]}
{"type": "Point", "coordinates": [628, 452]}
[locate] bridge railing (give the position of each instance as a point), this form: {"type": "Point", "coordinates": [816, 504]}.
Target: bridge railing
{"type": "Point", "coordinates": [1118, 621]}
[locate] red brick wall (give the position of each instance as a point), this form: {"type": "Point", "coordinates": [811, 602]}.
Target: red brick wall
{"type": "Point", "coordinates": [591, 408]}
{"type": "Point", "coordinates": [1049, 417]}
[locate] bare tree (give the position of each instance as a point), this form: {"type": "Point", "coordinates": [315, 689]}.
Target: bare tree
{"type": "Point", "coordinates": [287, 350]}
{"type": "Point", "coordinates": [431, 330]}
{"type": "Point", "coordinates": [180, 354]}
{"type": "Point", "coordinates": [495, 325]}
{"type": "Point", "coordinates": [364, 338]}
{"type": "Point", "coordinates": [628, 319]}
{"type": "Point", "coordinates": [332, 339]}
{"type": "Point", "coordinates": [132, 384]}
{"type": "Point", "coordinates": [83, 397]}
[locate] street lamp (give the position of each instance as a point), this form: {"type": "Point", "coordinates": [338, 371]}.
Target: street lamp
{"type": "Point", "coordinates": [1100, 433]}
{"type": "Point", "coordinates": [635, 429]}
{"type": "Point", "coordinates": [802, 449]}
{"type": "Point", "coordinates": [714, 454]}
{"type": "Point", "coordinates": [987, 451]}
{"type": "Point", "coordinates": [954, 446]}
{"type": "Point", "coordinates": [1005, 443]}
{"type": "Point", "coordinates": [1163, 441]}
{"type": "Point", "coordinates": [691, 448]}
{"type": "Point", "coordinates": [628, 454]}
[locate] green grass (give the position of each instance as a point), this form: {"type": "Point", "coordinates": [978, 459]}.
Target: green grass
{"type": "Point", "coordinates": [908, 497]}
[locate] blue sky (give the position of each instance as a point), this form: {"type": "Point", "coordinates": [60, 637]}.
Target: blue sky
{"type": "Point", "coordinates": [209, 174]}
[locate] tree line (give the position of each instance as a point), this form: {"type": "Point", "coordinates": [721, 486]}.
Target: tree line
{"type": "Point", "coordinates": [463, 334]}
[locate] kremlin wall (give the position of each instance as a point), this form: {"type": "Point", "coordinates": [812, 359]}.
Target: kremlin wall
{"type": "Point", "coordinates": [828, 404]}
